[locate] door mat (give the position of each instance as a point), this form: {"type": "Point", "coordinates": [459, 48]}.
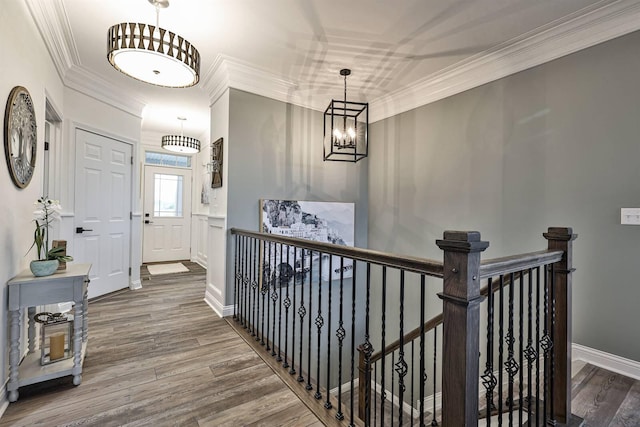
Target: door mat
{"type": "Point", "coordinates": [176, 267]}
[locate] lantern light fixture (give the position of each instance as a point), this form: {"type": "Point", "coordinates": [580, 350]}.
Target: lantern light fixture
{"type": "Point", "coordinates": [346, 126]}
{"type": "Point", "coordinates": [180, 143]}
{"type": "Point", "coordinates": [152, 54]}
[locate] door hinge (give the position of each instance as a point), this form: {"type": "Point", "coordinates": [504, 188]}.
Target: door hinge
{"type": "Point", "coordinates": [130, 215]}
{"type": "Point", "coordinates": [46, 146]}
{"type": "Point", "coordinates": [129, 271]}
{"type": "Point", "coordinates": [131, 159]}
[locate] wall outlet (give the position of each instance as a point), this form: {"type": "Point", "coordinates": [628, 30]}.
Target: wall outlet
{"type": "Point", "coordinates": [630, 216]}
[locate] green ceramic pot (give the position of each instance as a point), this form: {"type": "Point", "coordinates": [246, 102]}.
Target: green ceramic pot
{"type": "Point", "coordinates": [43, 268]}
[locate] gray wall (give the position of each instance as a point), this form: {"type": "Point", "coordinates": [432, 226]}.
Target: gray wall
{"type": "Point", "coordinates": [275, 152]}
{"type": "Point", "coordinates": [556, 145]}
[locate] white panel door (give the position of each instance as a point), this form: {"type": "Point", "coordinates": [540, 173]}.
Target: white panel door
{"type": "Point", "coordinates": [167, 214]}
{"type": "Point", "coordinates": [102, 209]}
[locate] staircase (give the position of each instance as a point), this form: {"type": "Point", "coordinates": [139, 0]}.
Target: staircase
{"type": "Point", "coordinates": [354, 321]}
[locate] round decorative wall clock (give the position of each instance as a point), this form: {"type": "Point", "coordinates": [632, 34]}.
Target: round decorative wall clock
{"type": "Point", "coordinates": [20, 136]}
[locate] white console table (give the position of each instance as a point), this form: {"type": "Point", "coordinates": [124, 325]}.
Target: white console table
{"type": "Point", "coordinates": [26, 290]}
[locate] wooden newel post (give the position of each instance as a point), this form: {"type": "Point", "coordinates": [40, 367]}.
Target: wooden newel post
{"type": "Point", "coordinates": [461, 309]}
{"type": "Point", "coordinates": [561, 238]}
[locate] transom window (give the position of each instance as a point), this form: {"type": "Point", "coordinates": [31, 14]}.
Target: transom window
{"type": "Point", "coordinates": [162, 159]}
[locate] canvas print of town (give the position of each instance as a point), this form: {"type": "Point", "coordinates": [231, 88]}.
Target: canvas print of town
{"type": "Point", "coordinates": [328, 222]}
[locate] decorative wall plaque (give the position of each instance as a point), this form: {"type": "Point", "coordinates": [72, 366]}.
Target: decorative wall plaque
{"type": "Point", "coordinates": [20, 136]}
{"type": "Point", "coordinates": [216, 164]}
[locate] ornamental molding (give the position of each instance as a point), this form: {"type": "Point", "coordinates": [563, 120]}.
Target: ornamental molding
{"type": "Point", "coordinates": [590, 26]}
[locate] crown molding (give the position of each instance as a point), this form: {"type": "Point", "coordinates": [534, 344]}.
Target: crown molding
{"type": "Point", "coordinates": [228, 72]}
{"type": "Point", "coordinates": [52, 22]}
{"type": "Point", "coordinates": [88, 83]}
{"type": "Point", "coordinates": [585, 28]}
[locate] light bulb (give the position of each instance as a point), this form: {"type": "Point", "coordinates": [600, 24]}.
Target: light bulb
{"type": "Point", "coordinates": [337, 134]}
{"type": "Point", "coordinates": [352, 133]}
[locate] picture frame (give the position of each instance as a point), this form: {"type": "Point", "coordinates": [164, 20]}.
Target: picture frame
{"type": "Point", "coordinates": [327, 222]}
{"type": "Point", "coordinates": [216, 163]}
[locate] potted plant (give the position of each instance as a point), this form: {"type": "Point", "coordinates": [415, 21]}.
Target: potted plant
{"type": "Point", "coordinates": [46, 213]}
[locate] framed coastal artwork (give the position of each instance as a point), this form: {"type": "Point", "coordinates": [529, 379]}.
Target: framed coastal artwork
{"type": "Point", "coordinates": [327, 222]}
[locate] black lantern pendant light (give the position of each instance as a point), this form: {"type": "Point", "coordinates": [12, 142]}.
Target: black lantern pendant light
{"type": "Point", "coordinates": [346, 126]}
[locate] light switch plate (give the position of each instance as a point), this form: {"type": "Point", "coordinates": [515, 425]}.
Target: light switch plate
{"type": "Point", "coordinates": [630, 216]}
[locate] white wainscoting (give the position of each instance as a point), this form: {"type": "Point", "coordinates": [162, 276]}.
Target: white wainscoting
{"type": "Point", "coordinates": [215, 292]}
{"type": "Point", "coordinates": [199, 233]}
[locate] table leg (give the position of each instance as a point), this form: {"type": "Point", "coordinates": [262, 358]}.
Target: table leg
{"type": "Point", "coordinates": [32, 329]}
{"type": "Point", "coordinates": [85, 318]}
{"type": "Point", "coordinates": [77, 343]}
{"type": "Point", "coordinates": [14, 354]}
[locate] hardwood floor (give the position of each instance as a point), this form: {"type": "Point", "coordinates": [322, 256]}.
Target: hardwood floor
{"type": "Point", "coordinates": [160, 357]}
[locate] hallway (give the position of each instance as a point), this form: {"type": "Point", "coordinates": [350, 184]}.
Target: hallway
{"type": "Point", "coordinates": [160, 357]}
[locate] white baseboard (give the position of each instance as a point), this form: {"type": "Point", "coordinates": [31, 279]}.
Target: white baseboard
{"type": "Point", "coordinates": [135, 284]}
{"type": "Point", "coordinates": [220, 310]}
{"type": "Point", "coordinates": [627, 367]}
{"type": "Point", "coordinates": [201, 262]}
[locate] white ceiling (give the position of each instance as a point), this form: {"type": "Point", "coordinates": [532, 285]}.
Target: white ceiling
{"type": "Point", "coordinates": [390, 45]}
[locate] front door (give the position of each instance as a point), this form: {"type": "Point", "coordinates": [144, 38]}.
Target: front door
{"type": "Point", "coordinates": [103, 210]}
{"type": "Point", "coordinates": [167, 214]}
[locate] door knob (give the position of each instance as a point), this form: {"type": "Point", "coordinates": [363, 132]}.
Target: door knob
{"type": "Point", "coordinates": [79, 230]}
{"type": "Point", "coordinates": [146, 221]}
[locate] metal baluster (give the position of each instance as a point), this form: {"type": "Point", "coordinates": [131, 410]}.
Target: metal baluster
{"type": "Point", "coordinates": [401, 366]}
{"type": "Point", "coordinates": [367, 348]}
{"type": "Point", "coordinates": [274, 298]}
{"type": "Point", "coordinates": [488, 378]}
{"type": "Point", "coordinates": [319, 324]}
{"type": "Point", "coordinates": [267, 293]}
{"type": "Point", "coordinates": [309, 386]}
{"type": "Point", "coordinates": [383, 392]}
{"type": "Point", "coordinates": [236, 269]}
{"type": "Point", "coordinates": [500, 348]}
{"type": "Point", "coordinates": [328, 404]}
{"type": "Point", "coordinates": [511, 364]}
{"type": "Point", "coordinates": [245, 281]}
{"type": "Point", "coordinates": [280, 281]}
{"type": "Point", "coordinates": [241, 280]}
{"type": "Point", "coordinates": [423, 372]}
{"type": "Point", "coordinates": [545, 343]}
{"type": "Point", "coordinates": [412, 366]}
{"type": "Point", "coordinates": [292, 370]}
{"type": "Point", "coordinates": [553, 350]}
{"type": "Point", "coordinates": [393, 364]}
{"type": "Point", "coordinates": [353, 337]}
{"type": "Point", "coordinates": [263, 289]}
{"type": "Point", "coordinates": [287, 305]}
{"type": "Point", "coordinates": [530, 352]}
{"type": "Point", "coordinates": [537, 346]}
{"type": "Point", "coordinates": [434, 422]}
{"type": "Point", "coordinates": [375, 401]}
{"type": "Point", "coordinates": [520, 346]}
{"type": "Point", "coordinates": [340, 333]}
{"type": "Point", "coordinates": [301, 312]}
{"type": "Point", "coordinates": [254, 286]}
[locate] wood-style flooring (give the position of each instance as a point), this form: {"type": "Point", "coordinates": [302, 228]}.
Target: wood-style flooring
{"type": "Point", "coordinates": [159, 356]}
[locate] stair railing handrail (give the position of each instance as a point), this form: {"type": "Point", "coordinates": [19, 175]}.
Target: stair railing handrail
{"type": "Point", "coordinates": [488, 268]}
{"type": "Point", "coordinates": [414, 264]}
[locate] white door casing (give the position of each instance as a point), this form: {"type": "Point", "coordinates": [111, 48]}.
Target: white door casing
{"type": "Point", "coordinates": [166, 235]}
{"type": "Point", "coordinates": [102, 235]}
